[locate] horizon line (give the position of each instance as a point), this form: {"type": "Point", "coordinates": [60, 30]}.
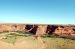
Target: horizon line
{"type": "Point", "coordinates": [38, 23]}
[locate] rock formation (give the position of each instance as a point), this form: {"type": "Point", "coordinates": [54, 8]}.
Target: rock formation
{"type": "Point", "coordinates": [39, 29]}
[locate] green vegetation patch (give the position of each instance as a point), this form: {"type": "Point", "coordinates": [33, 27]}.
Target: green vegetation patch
{"type": "Point", "coordinates": [10, 39]}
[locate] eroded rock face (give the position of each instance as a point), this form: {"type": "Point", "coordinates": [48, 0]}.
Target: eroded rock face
{"type": "Point", "coordinates": [12, 27]}
{"type": "Point", "coordinates": [59, 30]}
{"type": "Point", "coordinates": [65, 30]}
{"type": "Point", "coordinates": [39, 29]}
{"type": "Point", "coordinates": [51, 29]}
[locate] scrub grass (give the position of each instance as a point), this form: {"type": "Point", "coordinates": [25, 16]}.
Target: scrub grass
{"type": "Point", "coordinates": [27, 41]}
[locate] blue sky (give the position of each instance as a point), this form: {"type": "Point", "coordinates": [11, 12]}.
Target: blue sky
{"type": "Point", "coordinates": [37, 11]}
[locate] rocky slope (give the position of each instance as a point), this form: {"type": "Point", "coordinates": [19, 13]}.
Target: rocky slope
{"type": "Point", "coordinates": [40, 29]}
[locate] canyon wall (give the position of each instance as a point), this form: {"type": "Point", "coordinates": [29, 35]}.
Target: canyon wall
{"type": "Point", "coordinates": [39, 29]}
{"type": "Point", "coordinates": [12, 27]}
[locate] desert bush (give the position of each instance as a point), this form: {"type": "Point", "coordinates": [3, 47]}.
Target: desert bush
{"type": "Point", "coordinates": [69, 37]}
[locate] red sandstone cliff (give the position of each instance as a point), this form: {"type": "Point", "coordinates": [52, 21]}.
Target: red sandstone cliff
{"type": "Point", "coordinates": [39, 29]}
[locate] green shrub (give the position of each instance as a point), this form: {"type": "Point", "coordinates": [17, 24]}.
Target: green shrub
{"type": "Point", "coordinates": [69, 37]}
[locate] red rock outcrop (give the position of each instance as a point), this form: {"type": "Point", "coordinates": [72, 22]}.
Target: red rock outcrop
{"type": "Point", "coordinates": [12, 27]}
{"type": "Point", "coordinates": [39, 29]}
